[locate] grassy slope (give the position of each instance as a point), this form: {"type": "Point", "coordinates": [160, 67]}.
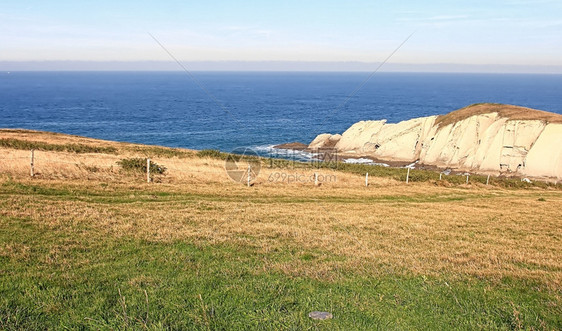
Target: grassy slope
{"type": "Point", "coordinates": [206, 253]}
{"type": "Point", "coordinates": [507, 111]}
{"type": "Point", "coordinates": [84, 257]}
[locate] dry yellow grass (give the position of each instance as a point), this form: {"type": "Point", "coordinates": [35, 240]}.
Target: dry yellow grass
{"type": "Point", "coordinates": [418, 228]}
{"type": "Point", "coordinates": [64, 165]}
{"type": "Point", "coordinates": [507, 111]}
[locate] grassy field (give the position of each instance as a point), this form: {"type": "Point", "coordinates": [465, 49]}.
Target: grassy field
{"type": "Point", "coordinates": [101, 249]}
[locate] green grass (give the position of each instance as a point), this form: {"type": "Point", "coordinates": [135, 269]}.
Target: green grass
{"type": "Point", "coordinates": [95, 282]}
{"type": "Point", "coordinates": [42, 146]}
{"type": "Point", "coordinates": [214, 154]}
{"type": "Point", "coordinates": [113, 197]}
{"type": "Point", "coordinates": [73, 277]}
{"type": "Point", "coordinates": [416, 175]}
{"type": "Point", "coordinates": [108, 194]}
{"type": "Point", "coordinates": [157, 151]}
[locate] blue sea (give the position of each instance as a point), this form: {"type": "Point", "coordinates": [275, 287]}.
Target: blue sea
{"type": "Point", "coordinates": [226, 110]}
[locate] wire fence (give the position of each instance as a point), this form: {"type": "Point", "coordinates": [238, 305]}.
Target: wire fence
{"type": "Point", "coordinates": [67, 165]}
{"type": "Point", "coordinates": [42, 164]}
{"type": "Point", "coordinates": [64, 165]}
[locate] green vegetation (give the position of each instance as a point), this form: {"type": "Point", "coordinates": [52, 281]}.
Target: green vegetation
{"type": "Point", "coordinates": [139, 165]}
{"type": "Point", "coordinates": [201, 252]}
{"type": "Point", "coordinates": [67, 274]}
{"type": "Point", "coordinates": [79, 282]}
{"type": "Point", "coordinates": [212, 153]}
{"type": "Point", "coordinates": [157, 151]}
{"type": "Point", "coordinates": [42, 146]}
{"type": "Point", "coordinates": [416, 175]}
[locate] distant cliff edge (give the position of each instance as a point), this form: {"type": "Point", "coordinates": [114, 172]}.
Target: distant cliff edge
{"type": "Point", "coordinates": [483, 138]}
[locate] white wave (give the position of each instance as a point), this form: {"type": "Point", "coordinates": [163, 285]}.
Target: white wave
{"type": "Point", "coordinates": [364, 161]}
{"type": "Point", "coordinates": [290, 154]}
{"type": "Point", "coordinates": [263, 148]}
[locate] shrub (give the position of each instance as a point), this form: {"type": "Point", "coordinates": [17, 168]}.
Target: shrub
{"type": "Point", "coordinates": [212, 153]}
{"type": "Point", "coordinates": [139, 165]}
{"type": "Point", "coordinates": [42, 146]}
{"type": "Point", "coordinates": [157, 151]}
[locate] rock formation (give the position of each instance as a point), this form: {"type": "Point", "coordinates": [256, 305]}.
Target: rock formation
{"type": "Point", "coordinates": [482, 138]}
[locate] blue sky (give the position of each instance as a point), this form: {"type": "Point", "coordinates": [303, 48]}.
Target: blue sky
{"type": "Point", "coordinates": [510, 32]}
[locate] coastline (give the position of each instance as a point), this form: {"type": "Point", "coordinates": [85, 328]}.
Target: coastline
{"type": "Point", "coordinates": [285, 154]}
{"type": "Point", "coordinates": [486, 138]}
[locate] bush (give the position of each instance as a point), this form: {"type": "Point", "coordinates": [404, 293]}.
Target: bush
{"type": "Point", "coordinates": [42, 146]}
{"type": "Point", "coordinates": [139, 165]}
{"type": "Point", "coordinates": [157, 151]}
{"type": "Point", "coordinates": [212, 153]}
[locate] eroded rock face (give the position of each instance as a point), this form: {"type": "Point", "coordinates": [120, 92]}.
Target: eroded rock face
{"type": "Point", "coordinates": [354, 138]}
{"type": "Point", "coordinates": [325, 140]}
{"type": "Point", "coordinates": [486, 142]}
{"type": "Point", "coordinates": [545, 155]}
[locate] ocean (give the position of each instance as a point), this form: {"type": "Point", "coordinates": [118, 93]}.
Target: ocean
{"type": "Point", "coordinates": [227, 110]}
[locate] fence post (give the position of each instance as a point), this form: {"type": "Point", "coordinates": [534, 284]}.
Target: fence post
{"type": "Point", "coordinates": [367, 179]}
{"type": "Point", "coordinates": [147, 170]}
{"type": "Point", "coordinates": [467, 179]}
{"type": "Point", "coordinates": [408, 176]}
{"type": "Point", "coordinates": [249, 171]}
{"type": "Point", "coordinates": [440, 175]}
{"type": "Point", "coordinates": [32, 171]}
{"type": "Point", "coordinates": [488, 180]}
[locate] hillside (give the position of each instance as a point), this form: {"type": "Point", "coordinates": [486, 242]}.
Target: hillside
{"type": "Point", "coordinates": [505, 111]}
{"type": "Point", "coordinates": [86, 244]}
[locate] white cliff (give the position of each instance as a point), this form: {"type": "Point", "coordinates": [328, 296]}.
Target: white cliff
{"type": "Point", "coordinates": [484, 138]}
{"type": "Point", "coordinates": [325, 140]}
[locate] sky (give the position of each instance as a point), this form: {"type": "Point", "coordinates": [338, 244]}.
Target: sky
{"type": "Point", "coordinates": [507, 32]}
